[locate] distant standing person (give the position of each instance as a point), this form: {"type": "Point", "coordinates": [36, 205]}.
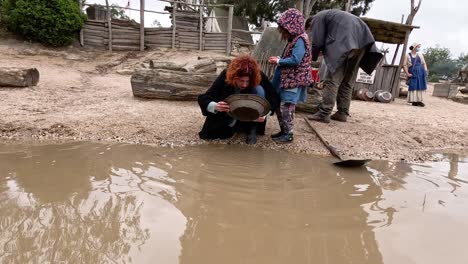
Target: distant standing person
{"type": "Point", "coordinates": [293, 72]}
{"type": "Point", "coordinates": [347, 44]}
{"type": "Point", "coordinates": [416, 70]}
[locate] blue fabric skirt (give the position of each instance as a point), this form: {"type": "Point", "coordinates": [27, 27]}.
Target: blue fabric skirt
{"type": "Point", "coordinates": [292, 96]}
{"type": "Point", "coordinates": [418, 80]}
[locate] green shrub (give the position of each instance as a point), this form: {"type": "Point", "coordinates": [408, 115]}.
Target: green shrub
{"type": "Point", "coordinates": [52, 22]}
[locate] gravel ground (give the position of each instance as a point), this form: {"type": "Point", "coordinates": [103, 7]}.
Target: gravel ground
{"type": "Point", "coordinates": [85, 95]}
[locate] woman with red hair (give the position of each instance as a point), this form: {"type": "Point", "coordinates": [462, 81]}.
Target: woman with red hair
{"type": "Point", "coordinates": [243, 76]}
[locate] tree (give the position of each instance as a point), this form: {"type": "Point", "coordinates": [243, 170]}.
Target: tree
{"type": "Point", "coordinates": [258, 10]}
{"type": "Point", "coordinates": [118, 12]}
{"type": "Point", "coordinates": [462, 60]}
{"type": "Point", "coordinates": [439, 62]}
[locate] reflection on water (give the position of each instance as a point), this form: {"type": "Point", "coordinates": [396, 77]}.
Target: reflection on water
{"type": "Point", "coordinates": [93, 203]}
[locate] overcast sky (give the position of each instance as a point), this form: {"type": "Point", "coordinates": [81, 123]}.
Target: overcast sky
{"type": "Point", "coordinates": [443, 22]}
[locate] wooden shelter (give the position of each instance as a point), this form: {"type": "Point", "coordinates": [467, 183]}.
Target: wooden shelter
{"type": "Point", "coordinates": [387, 76]}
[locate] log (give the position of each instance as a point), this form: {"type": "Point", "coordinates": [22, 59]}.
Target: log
{"type": "Point", "coordinates": [98, 28]}
{"type": "Point", "coordinates": [93, 41]}
{"type": "Point", "coordinates": [222, 59]}
{"type": "Point", "coordinates": [18, 77]}
{"type": "Point", "coordinates": [196, 66]}
{"type": "Point", "coordinates": [150, 38]}
{"type": "Point", "coordinates": [170, 85]}
{"type": "Point", "coordinates": [129, 42]}
{"type": "Point", "coordinates": [154, 64]}
{"type": "Point", "coordinates": [158, 46]}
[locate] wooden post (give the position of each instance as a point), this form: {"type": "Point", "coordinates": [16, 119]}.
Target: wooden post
{"type": "Point", "coordinates": [402, 59]}
{"type": "Point", "coordinates": [229, 30]}
{"type": "Point", "coordinates": [81, 29]}
{"type": "Point", "coordinates": [398, 46]}
{"type": "Point", "coordinates": [142, 25]}
{"type": "Point", "coordinates": [174, 6]}
{"type": "Point", "coordinates": [201, 26]}
{"type": "Point", "coordinates": [109, 25]}
{"type": "Point", "coordinates": [396, 54]}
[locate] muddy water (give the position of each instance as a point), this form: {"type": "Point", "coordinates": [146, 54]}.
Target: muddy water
{"type": "Point", "coordinates": [92, 203]}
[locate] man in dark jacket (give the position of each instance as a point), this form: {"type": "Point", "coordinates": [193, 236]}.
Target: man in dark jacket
{"type": "Point", "coordinates": [346, 43]}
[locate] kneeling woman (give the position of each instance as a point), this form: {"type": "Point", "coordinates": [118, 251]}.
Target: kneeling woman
{"type": "Point", "coordinates": [243, 76]}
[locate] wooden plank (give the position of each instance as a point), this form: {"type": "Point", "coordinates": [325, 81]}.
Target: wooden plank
{"type": "Point", "coordinates": [96, 43]}
{"type": "Point", "coordinates": [125, 30]}
{"type": "Point", "coordinates": [189, 45]}
{"type": "Point", "coordinates": [153, 32]}
{"type": "Point", "coordinates": [215, 37]}
{"type": "Point", "coordinates": [151, 38]}
{"type": "Point", "coordinates": [100, 28]}
{"type": "Point", "coordinates": [114, 26]}
{"type": "Point", "coordinates": [187, 33]}
{"type": "Point", "coordinates": [222, 41]}
{"type": "Point", "coordinates": [156, 46]}
{"type": "Point", "coordinates": [93, 35]}
{"type": "Point", "coordinates": [159, 41]}
{"type": "Point", "coordinates": [95, 22]}
{"type": "Point", "coordinates": [123, 42]}
{"type": "Point", "coordinates": [215, 33]}
{"type": "Point", "coordinates": [187, 28]}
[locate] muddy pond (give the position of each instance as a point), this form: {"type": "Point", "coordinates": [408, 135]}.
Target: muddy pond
{"type": "Point", "coordinates": [116, 203]}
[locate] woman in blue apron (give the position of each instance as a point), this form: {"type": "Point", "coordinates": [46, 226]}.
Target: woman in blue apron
{"type": "Point", "coordinates": [416, 72]}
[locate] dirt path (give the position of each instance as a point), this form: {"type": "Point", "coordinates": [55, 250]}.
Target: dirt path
{"type": "Point", "coordinates": [80, 96]}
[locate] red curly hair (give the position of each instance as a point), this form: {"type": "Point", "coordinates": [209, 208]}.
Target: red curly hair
{"type": "Point", "coordinates": [244, 66]}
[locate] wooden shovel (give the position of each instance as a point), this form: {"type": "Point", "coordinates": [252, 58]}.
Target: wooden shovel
{"type": "Point", "coordinates": [334, 152]}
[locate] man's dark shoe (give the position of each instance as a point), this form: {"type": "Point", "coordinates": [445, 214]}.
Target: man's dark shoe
{"type": "Point", "coordinates": [319, 117]}
{"type": "Point", "coordinates": [286, 138]}
{"type": "Point", "coordinates": [251, 139]}
{"type": "Point", "coordinates": [340, 116]}
{"type": "Point", "coordinates": [421, 104]}
{"type": "Point", "coordinates": [414, 104]}
{"type": "Point", "coordinates": [277, 135]}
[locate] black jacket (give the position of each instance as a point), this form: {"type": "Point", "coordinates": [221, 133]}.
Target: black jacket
{"type": "Point", "coordinates": [217, 125]}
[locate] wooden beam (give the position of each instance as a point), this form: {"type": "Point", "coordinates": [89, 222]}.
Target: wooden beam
{"type": "Point", "coordinates": [174, 7]}
{"type": "Point", "coordinates": [109, 20]}
{"type": "Point", "coordinates": [81, 29]}
{"type": "Point", "coordinates": [201, 26]}
{"type": "Point", "coordinates": [142, 25]}
{"type": "Point", "coordinates": [229, 30]}
{"type": "Point", "coordinates": [396, 54]}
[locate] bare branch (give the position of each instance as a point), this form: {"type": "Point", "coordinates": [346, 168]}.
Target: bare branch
{"type": "Point", "coordinates": [310, 7]}
{"type": "Point", "coordinates": [419, 4]}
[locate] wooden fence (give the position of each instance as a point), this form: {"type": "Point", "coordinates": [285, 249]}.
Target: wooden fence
{"type": "Point", "coordinates": [386, 79]}
{"type": "Point", "coordinates": [187, 31]}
